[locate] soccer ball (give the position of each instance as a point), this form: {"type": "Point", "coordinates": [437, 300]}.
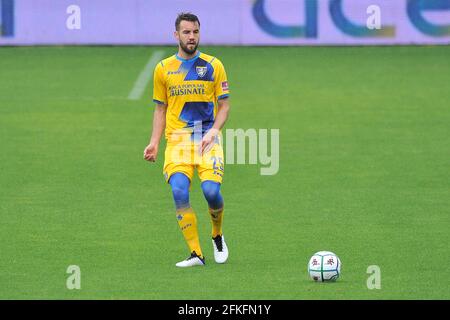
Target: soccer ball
{"type": "Point", "coordinates": [324, 266]}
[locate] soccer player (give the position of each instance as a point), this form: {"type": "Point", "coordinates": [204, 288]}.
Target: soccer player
{"type": "Point", "coordinates": [191, 94]}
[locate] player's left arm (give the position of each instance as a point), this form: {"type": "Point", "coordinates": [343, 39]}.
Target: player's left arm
{"type": "Point", "coordinates": [222, 92]}
{"type": "Point", "coordinates": [223, 108]}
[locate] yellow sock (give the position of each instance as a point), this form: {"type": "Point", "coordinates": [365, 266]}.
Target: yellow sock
{"type": "Point", "coordinates": [216, 219]}
{"type": "Point", "coordinates": [188, 225]}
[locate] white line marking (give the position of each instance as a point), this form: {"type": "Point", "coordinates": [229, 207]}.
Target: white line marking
{"type": "Point", "coordinates": [145, 76]}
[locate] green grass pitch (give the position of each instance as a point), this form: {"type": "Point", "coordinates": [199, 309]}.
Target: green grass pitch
{"type": "Point", "coordinates": [364, 172]}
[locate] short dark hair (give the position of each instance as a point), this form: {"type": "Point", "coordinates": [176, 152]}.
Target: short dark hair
{"type": "Point", "coordinates": [185, 16]}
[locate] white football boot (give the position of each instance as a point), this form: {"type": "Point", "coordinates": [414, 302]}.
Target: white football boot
{"type": "Point", "coordinates": [192, 261]}
{"type": "Point", "coordinates": [220, 249]}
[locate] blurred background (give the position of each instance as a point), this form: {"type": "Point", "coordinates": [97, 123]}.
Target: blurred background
{"type": "Point", "coordinates": [228, 22]}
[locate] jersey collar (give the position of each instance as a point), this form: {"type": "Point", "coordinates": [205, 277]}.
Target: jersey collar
{"type": "Point", "coordinates": [188, 60]}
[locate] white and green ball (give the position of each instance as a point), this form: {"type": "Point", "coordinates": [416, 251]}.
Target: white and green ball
{"type": "Point", "coordinates": [324, 266]}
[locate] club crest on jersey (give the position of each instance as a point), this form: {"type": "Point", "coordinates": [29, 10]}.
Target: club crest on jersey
{"type": "Point", "coordinates": [201, 71]}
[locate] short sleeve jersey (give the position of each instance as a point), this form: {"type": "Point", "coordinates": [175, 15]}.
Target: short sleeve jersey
{"type": "Point", "coordinates": [190, 89]}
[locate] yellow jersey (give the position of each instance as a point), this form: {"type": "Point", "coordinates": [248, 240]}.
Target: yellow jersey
{"type": "Point", "coordinates": [190, 89]}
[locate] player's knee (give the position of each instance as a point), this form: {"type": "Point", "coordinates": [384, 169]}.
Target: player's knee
{"type": "Point", "coordinates": [180, 194]}
{"type": "Point", "coordinates": [180, 190]}
{"type": "Point", "coordinates": [211, 191]}
{"type": "Point", "coordinates": [181, 197]}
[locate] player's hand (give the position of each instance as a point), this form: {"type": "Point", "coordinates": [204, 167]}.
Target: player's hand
{"type": "Point", "coordinates": [208, 140]}
{"type": "Point", "coordinates": [150, 152]}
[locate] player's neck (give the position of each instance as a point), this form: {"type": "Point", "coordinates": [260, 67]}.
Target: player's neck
{"type": "Point", "coordinates": [182, 54]}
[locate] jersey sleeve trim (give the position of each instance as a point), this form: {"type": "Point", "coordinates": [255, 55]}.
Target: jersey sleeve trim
{"type": "Point", "coordinates": [223, 96]}
{"type": "Point", "coordinates": [158, 102]}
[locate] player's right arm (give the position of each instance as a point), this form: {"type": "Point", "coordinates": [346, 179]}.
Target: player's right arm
{"type": "Point", "coordinates": [159, 124]}
{"type": "Point", "coordinates": [159, 116]}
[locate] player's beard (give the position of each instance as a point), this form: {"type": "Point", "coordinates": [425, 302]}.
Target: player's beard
{"type": "Point", "coordinates": [186, 49]}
